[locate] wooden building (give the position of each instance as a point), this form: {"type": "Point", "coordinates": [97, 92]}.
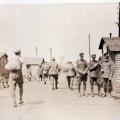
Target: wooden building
{"type": "Point", "coordinates": [32, 63]}
{"type": "Point", "coordinates": [111, 46]}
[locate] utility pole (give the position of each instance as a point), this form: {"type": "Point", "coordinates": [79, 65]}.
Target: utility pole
{"type": "Point", "coordinates": [36, 51]}
{"type": "Point", "coordinates": [89, 48]}
{"type": "Point", "coordinates": [119, 19]}
{"type": "Point", "coordinates": [50, 53]}
{"type": "Point", "coordinates": [118, 23]}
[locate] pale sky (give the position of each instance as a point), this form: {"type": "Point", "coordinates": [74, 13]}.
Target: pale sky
{"type": "Point", "coordinates": [62, 27]}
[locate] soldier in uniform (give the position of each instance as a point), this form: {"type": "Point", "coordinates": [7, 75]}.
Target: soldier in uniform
{"type": "Point", "coordinates": [53, 73]}
{"type": "Point", "coordinates": [29, 73]}
{"type": "Point", "coordinates": [45, 68]}
{"type": "Point", "coordinates": [81, 69]}
{"type": "Point", "coordinates": [70, 74]}
{"type": "Point", "coordinates": [16, 77]}
{"type": "Point", "coordinates": [39, 73]}
{"type": "Point", "coordinates": [107, 74]}
{"type": "Point", "coordinates": [93, 74]}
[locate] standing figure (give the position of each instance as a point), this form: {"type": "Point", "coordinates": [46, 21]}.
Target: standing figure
{"type": "Point", "coordinates": [93, 74]}
{"type": "Point", "coordinates": [28, 74]}
{"type": "Point", "coordinates": [107, 74]}
{"type": "Point", "coordinates": [39, 73]}
{"type": "Point", "coordinates": [53, 73]}
{"type": "Point", "coordinates": [70, 74]}
{"type": "Point", "coordinates": [81, 69]}
{"type": "Point", "coordinates": [45, 68]}
{"type": "Point", "coordinates": [16, 77]}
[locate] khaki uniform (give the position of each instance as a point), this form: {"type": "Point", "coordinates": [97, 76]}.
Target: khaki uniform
{"type": "Point", "coordinates": [53, 74]}
{"type": "Point", "coordinates": [107, 69]}
{"type": "Point", "coordinates": [93, 76]}
{"type": "Point", "coordinates": [81, 70]}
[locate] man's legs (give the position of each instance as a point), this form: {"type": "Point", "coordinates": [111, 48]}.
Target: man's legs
{"type": "Point", "coordinates": [98, 83]}
{"type": "Point", "coordinates": [71, 84]}
{"type": "Point", "coordinates": [20, 85]}
{"type": "Point", "coordinates": [91, 86]}
{"type": "Point", "coordinates": [84, 88]}
{"type": "Point", "coordinates": [109, 88]}
{"type": "Point", "coordinates": [52, 81]}
{"type": "Point", "coordinates": [45, 78]}
{"type": "Point", "coordinates": [105, 80]}
{"type": "Point", "coordinates": [68, 80]}
{"type": "Point", "coordinates": [56, 81]}
{"type": "Point", "coordinates": [13, 95]}
{"type": "Point", "coordinates": [79, 85]}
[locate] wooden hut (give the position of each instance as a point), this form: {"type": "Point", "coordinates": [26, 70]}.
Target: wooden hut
{"type": "Point", "coordinates": [111, 46]}
{"type": "Point", "coordinates": [32, 63]}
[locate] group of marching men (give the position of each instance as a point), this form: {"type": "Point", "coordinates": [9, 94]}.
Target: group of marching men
{"type": "Point", "coordinates": [99, 72]}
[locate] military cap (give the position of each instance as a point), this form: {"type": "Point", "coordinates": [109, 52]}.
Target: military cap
{"type": "Point", "coordinates": [81, 54]}
{"type": "Point", "coordinates": [69, 62]}
{"type": "Point", "coordinates": [93, 55]}
{"type": "Point", "coordinates": [17, 51]}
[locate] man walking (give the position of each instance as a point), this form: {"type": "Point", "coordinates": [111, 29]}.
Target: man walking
{"type": "Point", "coordinates": [53, 73]}
{"type": "Point", "coordinates": [45, 68]}
{"type": "Point", "coordinates": [70, 73]}
{"type": "Point", "coordinates": [39, 73]}
{"type": "Point", "coordinates": [16, 77]}
{"type": "Point", "coordinates": [81, 69]}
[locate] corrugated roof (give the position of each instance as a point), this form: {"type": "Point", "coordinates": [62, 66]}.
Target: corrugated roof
{"type": "Point", "coordinates": [32, 61]}
{"type": "Point", "coordinates": [113, 43]}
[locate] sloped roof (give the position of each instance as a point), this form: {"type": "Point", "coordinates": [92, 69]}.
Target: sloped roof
{"type": "Point", "coordinates": [32, 60]}
{"type": "Point", "coordinates": [113, 43]}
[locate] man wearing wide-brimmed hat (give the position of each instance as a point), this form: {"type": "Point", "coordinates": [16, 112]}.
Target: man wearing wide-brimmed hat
{"type": "Point", "coordinates": [81, 69]}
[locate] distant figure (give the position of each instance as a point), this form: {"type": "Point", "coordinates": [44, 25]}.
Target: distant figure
{"type": "Point", "coordinates": [107, 74]}
{"type": "Point", "coordinates": [45, 68]}
{"type": "Point", "coordinates": [28, 74]}
{"type": "Point", "coordinates": [70, 73]}
{"type": "Point", "coordinates": [93, 74]}
{"type": "Point", "coordinates": [16, 77]}
{"type": "Point", "coordinates": [53, 73]}
{"type": "Point", "coordinates": [40, 73]}
{"type": "Point", "coordinates": [81, 69]}
{"type": "Point", "coordinates": [4, 80]}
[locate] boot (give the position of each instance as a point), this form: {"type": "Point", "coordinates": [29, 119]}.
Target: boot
{"type": "Point", "coordinates": [79, 94]}
{"type": "Point", "coordinates": [93, 95]}
{"type": "Point", "coordinates": [109, 95]}
{"type": "Point", "coordinates": [105, 94]}
{"type": "Point", "coordinates": [84, 92]}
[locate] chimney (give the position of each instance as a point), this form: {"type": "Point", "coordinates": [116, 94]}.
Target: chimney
{"type": "Point", "coordinates": [50, 53]}
{"type": "Point", "coordinates": [36, 51]}
{"type": "Point", "coordinates": [110, 35]}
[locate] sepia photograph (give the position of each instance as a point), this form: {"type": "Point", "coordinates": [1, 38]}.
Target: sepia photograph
{"type": "Point", "coordinates": [59, 60]}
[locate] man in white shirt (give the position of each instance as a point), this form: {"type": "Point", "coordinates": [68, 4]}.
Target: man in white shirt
{"type": "Point", "coordinates": [16, 77]}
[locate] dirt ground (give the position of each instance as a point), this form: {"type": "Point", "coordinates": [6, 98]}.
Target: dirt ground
{"type": "Point", "coordinates": [41, 103]}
